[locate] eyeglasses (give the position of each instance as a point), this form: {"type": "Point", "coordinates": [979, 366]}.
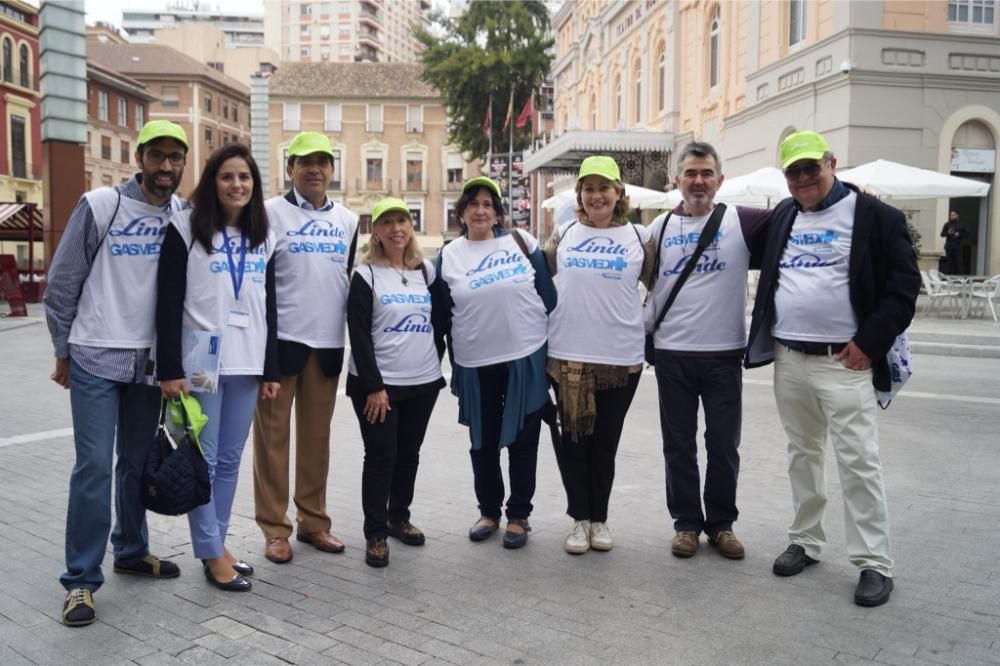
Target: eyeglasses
{"type": "Point", "coordinates": [157, 156]}
{"type": "Point", "coordinates": [811, 170]}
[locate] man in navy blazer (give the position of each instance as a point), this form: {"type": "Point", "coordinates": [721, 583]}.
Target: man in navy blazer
{"type": "Point", "coordinates": [838, 283]}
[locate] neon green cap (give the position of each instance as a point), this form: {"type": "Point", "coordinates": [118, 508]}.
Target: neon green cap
{"type": "Point", "coordinates": [162, 129]}
{"type": "Point", "coordinates": [802, 146]}
{"type": "Point", "coordinates": [307, 143]}
{"type": "Point", "coordinates": [600, 165]}
{"type": "Point", "coordinates": [388, 205]}
{"type": "Point", "coordinates": [483, 181]}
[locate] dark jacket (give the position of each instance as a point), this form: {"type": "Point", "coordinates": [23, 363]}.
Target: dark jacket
{"type": "Point", "coordinates": [883, 282]}
{"type": "Point", "coordinates": [292, 356]}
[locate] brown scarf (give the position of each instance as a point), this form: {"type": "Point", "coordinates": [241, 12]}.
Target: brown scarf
{"type": "Point", "coordinates": [578, 383]}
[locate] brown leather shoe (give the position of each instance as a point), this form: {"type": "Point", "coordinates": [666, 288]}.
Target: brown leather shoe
{"type": "Point", "coordinates": [684, 544]}
{"type": "Point", "coordinates": [278, 550]}
{"type": "Point", "coordinates": [324, 541]}
{"type": "Point", "coordinates": [729, 546]}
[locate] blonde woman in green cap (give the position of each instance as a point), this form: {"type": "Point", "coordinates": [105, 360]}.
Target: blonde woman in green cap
{"type": "Point", "coordinates": [491, 300]}
{"type": "Point", "coordinates": [596, 341]}
{"type": "Point", "coordinates": [100, 305]}
{"type": "Point", "coordinates": [394, 373]}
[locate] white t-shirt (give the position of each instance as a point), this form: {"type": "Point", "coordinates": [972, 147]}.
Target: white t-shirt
{"type": "Point", "coordinates": [497, 315]}
{"type": "Point", "coordinates": [210, 296]}
{"type": "Point", "coordinates": [310, 271]}
{"type": "Point", "coordinates": [401, 325]}
{"type": "Point", "coordinates": [599, 315]}
{"type": "Point", "coordinates": [117, 306]}
{"type": "Point", "coordinates": [709, 313]}
{"type": "Point", "coordinates": [813, 300]}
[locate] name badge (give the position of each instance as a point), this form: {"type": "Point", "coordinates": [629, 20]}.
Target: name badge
{"type": "Point", "coordinates": [239, 318]}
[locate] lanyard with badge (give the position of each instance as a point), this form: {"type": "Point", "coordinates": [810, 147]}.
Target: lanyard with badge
{"type": "Point", "coordinates": [238, 316]}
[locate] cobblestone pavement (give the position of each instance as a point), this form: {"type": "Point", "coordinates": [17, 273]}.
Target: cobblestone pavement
{"type": "Point", "coordinates": [453, 601]}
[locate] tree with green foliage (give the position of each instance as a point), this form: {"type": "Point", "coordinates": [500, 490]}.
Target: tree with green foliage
{"type": "Point", "coordinates": [496, 49]}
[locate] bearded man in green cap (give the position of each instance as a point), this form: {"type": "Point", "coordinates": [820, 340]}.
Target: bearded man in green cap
{"type": "Point", "coordinates": [838, 283]}
{"type": "Point", "coordinates": [100, 305]}
{"type": "Point", "coordinates": [313, 255]}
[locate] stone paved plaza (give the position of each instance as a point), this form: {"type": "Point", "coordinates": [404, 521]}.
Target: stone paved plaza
{"type": "Point", "coordinates": [453, 601]}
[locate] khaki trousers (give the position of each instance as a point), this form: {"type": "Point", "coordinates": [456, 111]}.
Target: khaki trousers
{"type": "Point", "coordinates": [818, 397]}
{"type": "Point", "coordinates": [314, 395]}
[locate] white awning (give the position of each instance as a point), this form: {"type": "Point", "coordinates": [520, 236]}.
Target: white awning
{"type": "Point", "coordinates": [565, 152]}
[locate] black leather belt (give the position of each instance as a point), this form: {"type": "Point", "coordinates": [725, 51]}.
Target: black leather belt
{"type": "Point", "coordinates": [813, 348]}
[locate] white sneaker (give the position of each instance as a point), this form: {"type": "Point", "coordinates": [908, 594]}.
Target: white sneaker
{"type": "Point", "coordinates": [578, 541]}
{"type": "Point", "coordinates": [600, 537]}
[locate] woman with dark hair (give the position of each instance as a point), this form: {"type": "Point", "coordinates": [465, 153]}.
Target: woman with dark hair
{"type": "Point", "coordinates": [596, 340]}
{"type": "Point", "coordinates": [394, 374]}
{"type": "Point", "coordinates": [222, 248]}
{"type": "Point", "coordinates": [491, 301]}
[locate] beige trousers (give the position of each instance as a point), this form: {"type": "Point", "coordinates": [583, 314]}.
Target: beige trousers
{"type": "Point", "coordinates": [819, 398]}
{"type": "Point", "coordinates": [314, 395]}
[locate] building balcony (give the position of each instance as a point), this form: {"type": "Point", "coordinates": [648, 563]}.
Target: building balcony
{"type": "Point", "coordinates": [370, 38]}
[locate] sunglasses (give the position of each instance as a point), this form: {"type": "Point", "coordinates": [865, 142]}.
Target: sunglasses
{"type": "Point", "coordinates": [811, 170]}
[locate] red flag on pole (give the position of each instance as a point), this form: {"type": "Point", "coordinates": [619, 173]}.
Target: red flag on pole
{"type": "Point", "coordinates": [526, 113]}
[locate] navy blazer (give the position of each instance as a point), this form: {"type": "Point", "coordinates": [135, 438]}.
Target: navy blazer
{"type": "Point", "coordinates": [883, 280]}
{"type": "Point", "coordinates": [292, 356]}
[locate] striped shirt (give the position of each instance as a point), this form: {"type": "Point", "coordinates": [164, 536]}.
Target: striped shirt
{"type": "Point", "coordinates": [70, 267]}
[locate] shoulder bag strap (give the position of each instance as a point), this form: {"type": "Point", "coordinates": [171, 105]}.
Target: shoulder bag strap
{"type": "Point", "coordinates": [423, 269]}
{"type": "Point", "coordinates": [708, 233]}
{"type": "Point", "coordinates": [520, 242]}
{"type": "Point", "coordinates": [656, 255]}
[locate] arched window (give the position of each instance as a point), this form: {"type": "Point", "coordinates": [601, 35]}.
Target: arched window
{"type": "Point", "coordinates": [619, 94]}
{"type": "Point", "coordinates": [8, 64]}
{"type": "Point", "coordinates": [637, 73]}
{"type": "Point", "coordinates": [25, 71]}
{"type": "Point", "coordinates": [661, 80]}
{"type": "Point", "coordinates": [713, 51]}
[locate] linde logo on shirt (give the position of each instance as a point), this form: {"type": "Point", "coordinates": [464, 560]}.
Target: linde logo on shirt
{"type": "Point", "coordinates": [411, 323]}
{"type": "Point", "coordinates": [599, 245]}
{"type": "Point", "coordinates": [494, 259]}
{"type": "Point", "coordinates": [706, 264]}
{"type": "Point", "coordinates": [318, 229]}
{"type": "Point", "coordinates": [610, 256]}
{"type": "Point", "coordinates": [417, 299]}
{"type": "Point", "coordinates": [806, 260]}
{"type": "Point", "coordinates": [258, 266]}
{"type": "Point", "coordinates": [819, 243]}
{"type": "Point", "coordinates": [692, 238]}
{"type": "Point", "coordinates": [146, 226]}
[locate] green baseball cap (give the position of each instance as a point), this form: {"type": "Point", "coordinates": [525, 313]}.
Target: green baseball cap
{"type": "Point", "coordinates": [483, 181]}
{"type": "Point", "coordinates": [600, 165]}
{"type": "Point", "coordinates": [802, 146]}
{"type": "Point", "coordinates": [307, 143]}
{"type": "Point", "coordinates": [388, 205]}
{"type": "Point", "coordinates": [162, 129]}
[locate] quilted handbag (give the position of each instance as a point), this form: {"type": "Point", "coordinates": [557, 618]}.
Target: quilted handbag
{"type": "Point", "coordinates": [175, 475]}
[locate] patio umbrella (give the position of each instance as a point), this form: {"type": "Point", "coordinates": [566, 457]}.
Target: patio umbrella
{"type": "Point", "coordinates": [900, 181]}
{"type": "Point", "coordinates": [639, 197]}
{"type": "Point", "coordinates": [764, 185]}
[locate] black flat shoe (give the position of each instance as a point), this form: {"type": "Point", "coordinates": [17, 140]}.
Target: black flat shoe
{"type": "Point", "coordinates": [237, 584]}
{"type": "Point", "coordinates": [483, 529]}
{"type": "Point", "coordinates": [242, 568]}
{"type": "Point", "coordinates": [873, 588]}
{"type": "Point", "coordinates": [792, 561]}
{"type": "Point", "coordinates": [515, 539]}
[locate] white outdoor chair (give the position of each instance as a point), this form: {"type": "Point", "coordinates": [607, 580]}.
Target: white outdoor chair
{"type": "Point", "coordinates": [985, 293]}
{"type": "Point", "coordinates": [940, 292]}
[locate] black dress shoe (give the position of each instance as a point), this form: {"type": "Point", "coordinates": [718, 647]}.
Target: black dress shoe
{"type": "Point", "coordinates": [873, 588]}
{"type": "Point", "coordinates": [483, 529]}
{"type": "Point", "coordinates": [792, 561]}
{"type": "Point", "coordinates": [236, 584]}
{"type": "Point", "coordinates": [242, 568]}
{"type": "Point", "coordinates": [516, 539]}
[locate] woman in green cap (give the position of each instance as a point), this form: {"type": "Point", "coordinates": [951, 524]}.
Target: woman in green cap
{"type": "Point", "coordinates": [394, 373]}
{"type": "Point", "coordinates": [491, 300]}
{"type": "Point", "coordinates": [596, 340]}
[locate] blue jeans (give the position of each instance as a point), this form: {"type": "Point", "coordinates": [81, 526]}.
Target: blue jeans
{"type": "Point", "coordinates": [230, 412]}
{"type": "Point", "coordinates": [101, 408]}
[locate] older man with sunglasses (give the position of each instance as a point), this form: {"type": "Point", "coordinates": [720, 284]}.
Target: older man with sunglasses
{"type": "Point", "coordinates": [838, 283]}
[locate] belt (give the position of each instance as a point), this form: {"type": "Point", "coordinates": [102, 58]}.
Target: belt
{"type": "Point", "coordinates": [813, 348]}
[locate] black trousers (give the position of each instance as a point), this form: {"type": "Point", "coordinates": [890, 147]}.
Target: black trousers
{"type": "Point", "coordinates": [522, 454]}
{"type": "Point", "coordinates": [953, 263]}
{"type": "Point", "coordinates": [392, 455]}
{"type": "Point", "coordinates": [718, 382]}
{"type": "Point", "coordinates": [587, 466]}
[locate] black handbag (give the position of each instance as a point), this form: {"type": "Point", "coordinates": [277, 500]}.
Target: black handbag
{"type": "Point", "coordinates": [708, 233]}
{"type": "Point", "coordinates": [174, 479]}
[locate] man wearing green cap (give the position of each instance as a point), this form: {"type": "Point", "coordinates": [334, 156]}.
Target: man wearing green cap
{"type": "Point", "coordinates": [838, 283]}
{"type": "Point", "coordinates": [100, 306]}
{"type": "Point", "coordinates": [316, 240]}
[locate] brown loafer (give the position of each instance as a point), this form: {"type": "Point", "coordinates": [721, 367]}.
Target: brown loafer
{"type": "Point", "coordinates": [324, 541]}
{"type": "Point", "coordinates": [278, 550]}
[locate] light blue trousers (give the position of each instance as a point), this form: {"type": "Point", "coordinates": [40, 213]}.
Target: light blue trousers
{"type": "Point", "coordinates": [230, 412]}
